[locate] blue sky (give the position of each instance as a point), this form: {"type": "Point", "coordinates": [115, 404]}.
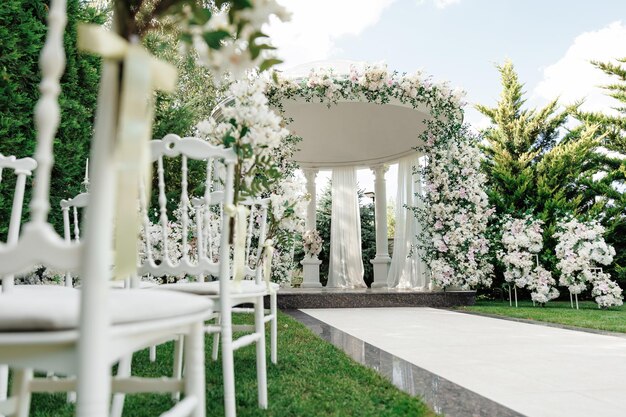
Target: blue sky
{"type": "Point", "coordinates": [455, 40]}
{"type": "Point", "coordinates": [461, 42]}
{"type": "Point", "coordinates": [550, 42]}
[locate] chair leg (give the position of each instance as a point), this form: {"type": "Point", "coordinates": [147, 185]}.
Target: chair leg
{"type": "Point", "coordinates": [216, 340]}
{"type": "Point", "coordinates": [124, 371]}
{"type": "Point", "coordinates": [195, 384]}
{"type": "Point", "coordinates": [179, 345]}
{"type": "Point", "coordinates": [261, 367]}
{"type": "Point", "coordinates": [21, 390]}
{"type": "Point", "coordinates": [71, 397]}
{"type": "Point", "coordinates": [228, 365]}
{"type": "Point", "coordinates": [4, 382]}
{"type": "Point", "coordinates": [152, 353]}
{"type": "Point", "coordinates": [274, 328]}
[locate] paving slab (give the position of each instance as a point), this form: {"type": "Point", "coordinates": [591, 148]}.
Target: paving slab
{"type": "Point", "coordinates": [535, 370]}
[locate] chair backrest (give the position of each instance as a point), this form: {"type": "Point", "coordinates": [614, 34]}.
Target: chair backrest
{"type": "Point", "coordinates": [71, 222]}
{"type": "Point", "coordinates": [256, 235]}
{"type": "Point", "coordinates": [256, 231]}
{"type": "Point", "coordinates": [38, 242]}
{"type": "Point", "coordinates": [20, 168]}
{"type": "Point", "coordinates": [172, 245]}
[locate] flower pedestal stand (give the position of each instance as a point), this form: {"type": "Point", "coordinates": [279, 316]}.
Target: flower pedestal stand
{"type": "Point", "coordinates": [514, 295]}
{"type": "Point", "coordinates": [571, 300]}
{"type": "Point", "coordinates": [381, 270]}
{"type": "Point", "coordinates": [311, 270]}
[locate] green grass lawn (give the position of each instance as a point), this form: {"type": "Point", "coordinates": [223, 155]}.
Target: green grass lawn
{"type": "Point", "coordinates": [589, 315]}
{"type": "Point", "coordinates": [312, 378]}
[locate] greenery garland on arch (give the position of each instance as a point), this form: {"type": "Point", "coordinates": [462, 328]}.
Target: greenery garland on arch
{"type": "Point", "coordinates": [454, 211]}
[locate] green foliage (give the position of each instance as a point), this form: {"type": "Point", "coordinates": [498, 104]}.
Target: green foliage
{"type": "Point", "coordinates": [532, 170]}
{"type": "Point", "coordinates": [368, 235]}
{"type": "Point", "coordinates": [613, 126]}
{"type": "Point", "coordinates": [143, 18]}
{"type": "Point", "coordinates": [324, 209]}
{"type": "Point", "coordinates": [196, 93]}
{"type": "Point", "coordinates": [391, 219]}
{"type": "Point", "coordinates": [22, 30]}
{"type": "Point", "coordinates": [179, 112]}
{"type": "Point", "coordinates": [589, 316]}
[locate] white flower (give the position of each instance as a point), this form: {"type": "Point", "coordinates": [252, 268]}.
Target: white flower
{"type": "Point", "coordinates": [312, 243]}
{"type": "Point", "coordinates": [580, 248]}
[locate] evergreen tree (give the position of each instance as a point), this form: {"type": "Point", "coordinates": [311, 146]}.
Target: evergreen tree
{"type": "Point", "coordinates": [613, 126]}
{"type": "Point", "coordinates": [530, 168]}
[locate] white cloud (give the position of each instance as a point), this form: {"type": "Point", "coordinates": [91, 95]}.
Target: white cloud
{"type": "Point", "coordinates": [574, 78]}
{"type": "Point", "coordinates": [316, 25]}
{"type": "Point", "coordinates": [440, 4]}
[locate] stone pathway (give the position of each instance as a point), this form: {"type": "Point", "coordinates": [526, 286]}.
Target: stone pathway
{"type": "Point", "coordinates": [531, 370]}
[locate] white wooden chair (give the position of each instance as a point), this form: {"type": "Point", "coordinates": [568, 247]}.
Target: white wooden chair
{"type": "Point", "coordinates": [21, 168]}
{"type": "Point", "coordinates": [71, 226]}
{"type": "Point", "coordinates": [257, 231]}
{"type": "Point", "coordinates": [71, 232]}
{"type": "Point", "coordinates": [223, 292]}
{"type": "Point", "coordinates": [84, 332]}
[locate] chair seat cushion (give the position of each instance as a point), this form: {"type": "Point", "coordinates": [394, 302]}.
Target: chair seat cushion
{"type": "Point", "coordinates": [40, 310]}
{"type": "Point", "coordinates": [245, 287]}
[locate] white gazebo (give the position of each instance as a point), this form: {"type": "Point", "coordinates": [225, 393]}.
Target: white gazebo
{"type": "Point", "coordinates": [354, 133]}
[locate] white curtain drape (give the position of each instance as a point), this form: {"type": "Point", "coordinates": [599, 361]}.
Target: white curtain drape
{"type": "Point", "coordinates": [407, 269]}
{"type": "Point", "coordinates": [346, 264]}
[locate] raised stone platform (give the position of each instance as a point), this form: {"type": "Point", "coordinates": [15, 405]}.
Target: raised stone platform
{"type": "Point", "coordinates": [296, 298]}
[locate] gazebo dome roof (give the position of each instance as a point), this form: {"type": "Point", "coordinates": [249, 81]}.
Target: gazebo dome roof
{"type": "Point", "coordinates": [350, 133]}
{"type": "Point", "coordinates": [356, 131]}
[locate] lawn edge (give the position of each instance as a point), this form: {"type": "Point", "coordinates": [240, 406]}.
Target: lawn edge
{"type": "Point", "coordinates": [541, 323]}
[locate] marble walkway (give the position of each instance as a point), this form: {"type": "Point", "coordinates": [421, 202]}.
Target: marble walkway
{"type": "Point", "coordinates": [468, 365]}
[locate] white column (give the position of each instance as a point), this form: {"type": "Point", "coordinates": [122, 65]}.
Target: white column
{"type": "Point", "coordinates": [310, 264]}
{"type": "Point", "coordinates": [382, 260]}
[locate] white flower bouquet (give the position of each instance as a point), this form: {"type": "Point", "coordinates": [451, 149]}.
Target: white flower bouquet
{"type": "Point", "coordinates": [312, 243]}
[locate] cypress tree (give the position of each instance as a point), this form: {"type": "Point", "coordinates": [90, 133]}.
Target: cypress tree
{"type": "Point", "coordinates": [22, 30]}
{"type": "Point", "coordinates": [613, 126]}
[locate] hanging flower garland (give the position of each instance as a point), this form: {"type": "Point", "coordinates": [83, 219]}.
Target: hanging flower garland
{"type": "Point", "coordinates": [454, 224]}
{"type": "Point", "coordinates": [374, 84]}
{"type": "Point", "coordinates": [455, 209]}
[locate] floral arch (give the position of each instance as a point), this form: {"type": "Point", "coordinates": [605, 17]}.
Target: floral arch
{"type": "Point", "coordinates": [453, 210]}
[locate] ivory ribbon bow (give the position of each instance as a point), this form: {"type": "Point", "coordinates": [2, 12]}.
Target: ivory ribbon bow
{"type": "Point", "coordinates": [239, 213]}
{"type": "Point", "coordinates": [268, 254]}
{"type": "Point", "coordinates": [142, 75]}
